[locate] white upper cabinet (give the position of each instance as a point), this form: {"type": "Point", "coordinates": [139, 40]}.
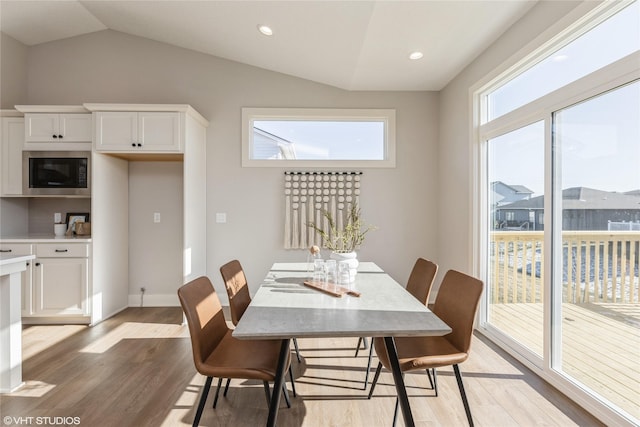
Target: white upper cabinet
{"type": "Point", "coordinates": [126, 131]}
{"type": "Point", "coordinates": [56, 127]}
{"type": "Point", "coordinates": [46, 127]}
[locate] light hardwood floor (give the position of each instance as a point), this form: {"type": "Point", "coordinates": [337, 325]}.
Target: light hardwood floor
{"type": "Point", "coordinates": [136, 369]}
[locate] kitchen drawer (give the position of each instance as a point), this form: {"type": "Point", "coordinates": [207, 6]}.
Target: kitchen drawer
{"type": "Point", "coordinates": [62, 250]}
{"type": "Point", "coordinates": [16, 248]}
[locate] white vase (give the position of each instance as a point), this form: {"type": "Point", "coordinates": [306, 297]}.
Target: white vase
{"type": "Point", "coordinates": [351, 258]}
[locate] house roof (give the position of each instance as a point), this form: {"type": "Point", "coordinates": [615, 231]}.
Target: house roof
{"type": "Point", "coordinates": [584, 198]}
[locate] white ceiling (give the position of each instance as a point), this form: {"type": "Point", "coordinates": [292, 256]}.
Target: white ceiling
{"type": "Point", "coordinates": [354, 45]}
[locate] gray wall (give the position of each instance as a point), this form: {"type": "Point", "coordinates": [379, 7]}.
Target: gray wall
{"type": "Point", "coordinates": [13, 72]}
{"type": "Point", "coordinates": [155, 187]}
{"type": "Point", "coordinates": [113, 67]}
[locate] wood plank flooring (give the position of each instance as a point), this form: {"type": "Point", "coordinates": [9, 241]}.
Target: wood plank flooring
{"type": "Point", "coordinates": [136, 369]}
{"type": "Point", "coordinates": [601, 344]}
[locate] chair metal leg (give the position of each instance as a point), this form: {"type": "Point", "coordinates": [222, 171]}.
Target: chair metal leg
{"type": "Point", "coordinates": [430, 379]}
{"type": "Point", "coordinates": [366, 375]}
{"type": "Point", "coordinates": [215, 399]}
{"type": "Point", "coordinates": [226, 387]}
{"type": "Point", "coordinates": [463, 394]}
{"type": "Point", "coordinates": [267, 392]}
{"type": "Point", "coordinates": [395, 413]}
{"type": "Point", "coordinates": [203, 400]}
{"type": "Point", "coordinates": [435, 381]}
{"type": "Point", "coordinates": [362, 340]}
{"type": "Point", "coordinates": [295, 345]}
{"type": "Point", "coordinates": [293, 383]}
{"type": "Point", "coordinates": [286, 395]}
{"type": "Point", "coordinates": [375, 379]}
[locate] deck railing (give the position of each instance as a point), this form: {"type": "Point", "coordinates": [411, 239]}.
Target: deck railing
{"type": "Point", "coordinates": [598, 266]}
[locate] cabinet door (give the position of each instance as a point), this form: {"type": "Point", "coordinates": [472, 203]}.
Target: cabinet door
{"type": "Point", "coordinates": [61, 286]}
{"type": "Point", "coordinates": [116, 131]}
{"type": "Point", "coordinates": [41, 127]}
{"type": "Point", "coordinates": [11, 146]}
{"type": "Point", "coordinates": [75, 127]}
{"type": "Point", "coordinates": [159, 131]}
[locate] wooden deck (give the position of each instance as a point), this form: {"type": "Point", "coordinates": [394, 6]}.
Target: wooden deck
{"type": "Point", "coordinates": [601, 344]}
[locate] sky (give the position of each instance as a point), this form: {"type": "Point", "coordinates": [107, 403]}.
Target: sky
{"type": "Point", "coordinates": [334, 140]}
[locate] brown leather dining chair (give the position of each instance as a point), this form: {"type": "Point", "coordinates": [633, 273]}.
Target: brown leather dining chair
{"type": "Point", "coordinates": [237, 288]}
{"type": "Point", "coordinates": [419, 285]}
{"type": "Point", "coordinates": [456, 304]}
{"type": "Point", "coordinates": [218, 354]}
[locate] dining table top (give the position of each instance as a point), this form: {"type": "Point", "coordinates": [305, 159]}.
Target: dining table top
{"type": "Point", "coordinates": [283, 307]}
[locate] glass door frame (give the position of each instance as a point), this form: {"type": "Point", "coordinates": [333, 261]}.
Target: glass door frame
{"type": "Point", "coordinates": [608, 78]}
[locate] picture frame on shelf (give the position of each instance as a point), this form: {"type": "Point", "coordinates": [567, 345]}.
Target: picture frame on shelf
{"type": "Point", "coordinates": [72, 218]}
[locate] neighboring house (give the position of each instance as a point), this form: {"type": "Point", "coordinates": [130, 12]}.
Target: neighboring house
{"type": "Point", "coordinates": [269, 146]}
{"type": "Point", "coordinates": [583, 209]}
{"type": "Point", "coordinates": [502, 194]}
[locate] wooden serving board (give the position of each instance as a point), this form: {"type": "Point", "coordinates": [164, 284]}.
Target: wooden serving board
{"type": "Point", "coordinates": [331, 288]}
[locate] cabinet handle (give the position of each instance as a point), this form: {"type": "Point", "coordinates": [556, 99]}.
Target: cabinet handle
{"type": "Point", "coordinates": [139, 145]}
{"type": "Point", "coordinates": [55, 136]}
{"type": "Point", "coordinates": [60, 136]}
{"type": "Point", "coordinates": [37, 264]}
{"type": "Point", "coordinates": [28, 264]}
{"type": "Point", "coordinates": [62, 250]}
{"type": "Point", "coordinates": [6, 250]}
{"type": "Point", "coordinates": [133, 144]}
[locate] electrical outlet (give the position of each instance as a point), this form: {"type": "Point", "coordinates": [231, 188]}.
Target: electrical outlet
{"type": "Point", "coordinates": [156, 217]}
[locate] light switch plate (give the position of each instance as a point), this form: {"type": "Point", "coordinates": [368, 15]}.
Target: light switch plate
{"type": "Point", "coordinates": [156, 217]}
{"type": "Point", "coordinates": [221, 217]}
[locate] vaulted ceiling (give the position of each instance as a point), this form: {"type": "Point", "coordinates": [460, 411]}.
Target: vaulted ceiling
{"type": "Point", "coordinates": [353, 45]}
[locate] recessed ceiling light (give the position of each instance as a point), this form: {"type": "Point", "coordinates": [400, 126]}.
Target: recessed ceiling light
{"type": "Point", "coordinates": [267, 31]}
{"type": "Point", "coordinates": [416, 55]}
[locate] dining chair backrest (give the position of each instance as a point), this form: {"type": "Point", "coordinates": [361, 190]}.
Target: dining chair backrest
{"type": "Point", "coordinates": [205, 318]}
{"type": "Point", "coordinates": [237, 289]}
{"type": "Point", "coordinates": [456, 304]}
{"type": "Point", "coordinates": [421, 279]}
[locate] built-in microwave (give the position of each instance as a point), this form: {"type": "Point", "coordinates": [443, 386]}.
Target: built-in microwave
{"type": "Point", "coordinates": [56, 173]}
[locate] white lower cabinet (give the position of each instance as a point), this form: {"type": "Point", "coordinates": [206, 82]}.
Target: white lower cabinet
{"type": "Point", "coordinates": [56, 283]}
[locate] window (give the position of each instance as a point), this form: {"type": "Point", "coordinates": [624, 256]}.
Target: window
{"type": "Point", "coordinates": [610, 41]}
{"type": "Point", "coordinates": [283, 137]}
{"type": "Point", "coordinates": [563, 124]}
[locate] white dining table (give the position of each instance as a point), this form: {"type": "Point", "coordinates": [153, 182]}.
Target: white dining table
{"type": "Point", "coordinates": [284, 308]}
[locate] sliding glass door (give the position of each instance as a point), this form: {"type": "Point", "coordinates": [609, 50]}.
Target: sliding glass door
{"type": "Point", "coordinates": [598, 235]}
{"type": "Point", "coordinates": [558, 211]}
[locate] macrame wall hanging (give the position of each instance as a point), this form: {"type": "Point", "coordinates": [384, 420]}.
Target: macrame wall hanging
{"type": "Point", "coordinates": [308, 195]}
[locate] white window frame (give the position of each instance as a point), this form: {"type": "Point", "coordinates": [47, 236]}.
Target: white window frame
{"type": "Point", "coordinates": [576, 23]}
{"type": "Point", "coordinates": [387, 116]}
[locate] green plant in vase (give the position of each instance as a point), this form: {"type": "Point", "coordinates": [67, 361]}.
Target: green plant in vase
{"type": "Point", "coordinates": [343, 239]}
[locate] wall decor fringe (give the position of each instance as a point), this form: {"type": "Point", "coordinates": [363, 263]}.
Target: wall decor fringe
{"type": "Point", "coordinates": [307, 195]}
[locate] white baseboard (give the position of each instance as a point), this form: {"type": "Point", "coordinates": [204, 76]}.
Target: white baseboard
{"type": "Point", "coordinates": [154, 300]}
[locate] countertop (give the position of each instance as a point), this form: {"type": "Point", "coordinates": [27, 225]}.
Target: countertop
{"type": "Point", "coordinates": [34, 238]}
{"type": "Point", "coordinates": [6, 259]}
